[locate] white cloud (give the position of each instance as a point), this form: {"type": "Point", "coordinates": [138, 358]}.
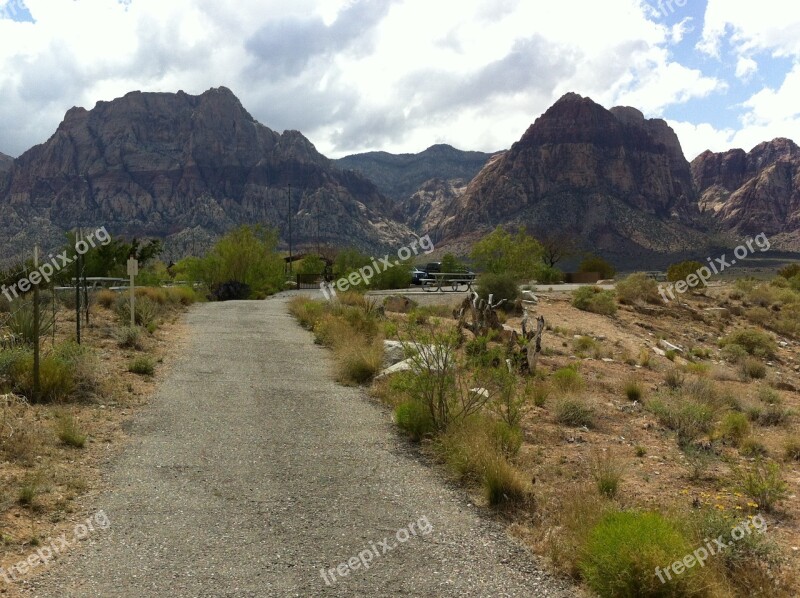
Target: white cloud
{"type": "Point", "coordinates": [746, 68]}
{"type": "Point", "coordinates": [355, 75]}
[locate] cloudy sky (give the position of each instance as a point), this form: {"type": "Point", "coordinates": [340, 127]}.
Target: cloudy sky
{"type": "Point", "coordinates": [401, 75]}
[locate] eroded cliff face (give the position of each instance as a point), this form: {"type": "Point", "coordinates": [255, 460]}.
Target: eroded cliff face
{"type": "Point", "coordinates": [159, 164]}
{"type": "Point", "coordinates": [5, 163]}
{"type": "Point", "coordinates": [610, 177]}
{"type": "Point", "coordinates": [754, 192]}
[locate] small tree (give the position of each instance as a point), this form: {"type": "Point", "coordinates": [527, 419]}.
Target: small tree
{"type": "Point", "coordinates": [556, 247]}
{"type": "Point", "coordinates": [500, 252]}
{"type": "Point", "coordinates": [594, 263]}
{"type": "Point", "coordinates": [311, 264]}
{"type": "Point", "coordinates": [451, 264]}
{"type": "Point", "coordinates": [682, 270]}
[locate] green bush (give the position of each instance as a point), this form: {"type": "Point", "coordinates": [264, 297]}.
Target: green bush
{"type": "Point", "coordinates": [501, 286]}
{"type": "Point", "coordinates": [633, 390]}
{"type": "Point", "coordinates": [129, 338]}
{"type": "Point", "coordinates": [683, 270]}
{"type": "Point", "coordinates": [734, 428]}
{"type": "Point", "coordinates": [504, 485]}
{"type": "Point", "coordinates": [415, 419]}
{"type": "Point", "coordinates": [687, 418]}
{"type": "Point", "coordinates": [792, 449]}
{"type": "Point", "coordinates": [755, 342]}
{"type": "Point", "coordinates": [21, 324]}
{"type": "Point", "coordinates": [624, 551]}
{"type": "Point", "coordinates": [638, 288]}
{"type": "Point", "coordinates": [567, 379]}
{"type": "Point", "coordinates": [762, 482]}
{"type": "Point", "coordinates": [142, 365]}
{"type": "Point", "coordinates": [575, 413]}
{"type": "Point", "coordinates": [508, 438]}
{"type": "Point", "coordinates": [146, 311]}
{"type": "Point", "coordinates": [752, 369]}
{"type": "Point", "coordinates": [595, 263]}
{"type": "Point", "coordinates": [544, 274]}
{"type": "Point", "coordinates": [789, 271]}
{"type": "Point", "coordinates": [69, 432]}
{"type": "Point", "coordinates": [595, 300]}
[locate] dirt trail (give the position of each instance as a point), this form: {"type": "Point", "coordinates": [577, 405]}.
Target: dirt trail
{"type": "Point", "coordinates": [251, 471]}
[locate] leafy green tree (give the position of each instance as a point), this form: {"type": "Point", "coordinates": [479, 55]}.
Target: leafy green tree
{"type": "Point", "coordinates": [682, 270]}
{"type": "Point", "coordinates": [501, 252]}
{"type": "Point", "coordinates": [312, 264]}
{"type": "Point", "coordinates": [594, 263]}
{"type": "Point", "coordinates": [451, 264]}
{"type": "Point", "coordinates": [246, 255]}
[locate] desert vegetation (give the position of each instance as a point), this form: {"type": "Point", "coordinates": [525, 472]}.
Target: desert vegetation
{"type": "Point", "coordinates": [645, 429]}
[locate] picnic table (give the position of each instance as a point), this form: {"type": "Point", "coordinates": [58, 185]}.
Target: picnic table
{"type": "Point", "coordinates": [434, 281]}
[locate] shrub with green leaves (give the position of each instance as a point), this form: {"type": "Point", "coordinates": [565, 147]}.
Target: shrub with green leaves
{"type": "Point", "coordinates": [638, 288]}
{"type": "Point", "coordinates": [596, 300]}
{"type": "Point", "coordinates": [415, 419]}
{"type": "Point", "coordinates": [500, 286]}
{"type": "Point", "coordinates": [734, 428]}
{"type": "Point", "coordinates": [762, 482]}
{"type": "Point", "coordinates": [790, 271]}
{"type": "Point", "coordinates": [567, 379]}
{"type": "Point", "coordinates": [754, 342]}
{"type": "Point", "coordinates": [142, 365]}
{"type": "Point", "coordinates": [624, 550]}
{"type": "Point", "coordinates": [688, 419]}
{"type": "Point", "coordinates": [575, 413]}
{"type": "Point", "coordinates": [594, 263]}
{"type": "Point", "coordinates": [682, 271]}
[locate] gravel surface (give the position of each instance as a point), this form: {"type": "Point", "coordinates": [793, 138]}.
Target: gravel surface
{"type": "Point", "coordinates": [251, 471]}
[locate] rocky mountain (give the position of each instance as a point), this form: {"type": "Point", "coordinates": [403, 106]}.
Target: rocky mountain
{"type": "Point", "coordinates": [753, 192]}
{"type": "Point", "coordinates": [5, 162]}
{"type": "Point", "coordinates": [185, 167]}
{"type": "Point", "coordinates": [615, 181]}
{"type": "Point", "coordinates": [430, 202]}
{"type": "Point", "coordinates": [401, 176]}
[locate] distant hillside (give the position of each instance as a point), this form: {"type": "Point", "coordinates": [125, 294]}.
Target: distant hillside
{"type": "Point", "coordinates": [755, 192]}
{"type": "Point", "coordinates": [400, 176]}
{"type": "Point", "coordinates": [615, 181]}
{"type": "Point", "coordinates": [183, 168]}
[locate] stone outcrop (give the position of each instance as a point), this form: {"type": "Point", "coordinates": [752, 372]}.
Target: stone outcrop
{"type": "Point", "coordinates": [162, 164]}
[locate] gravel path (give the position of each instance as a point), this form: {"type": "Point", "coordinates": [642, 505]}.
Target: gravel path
{"type": "Point", "coordinates": [252, 471]}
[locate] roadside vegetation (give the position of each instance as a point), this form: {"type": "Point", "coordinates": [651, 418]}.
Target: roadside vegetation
{"type": "Point", "coordinates": [645, 430]}
{"type": "Point", "coordinates": [53, 442]}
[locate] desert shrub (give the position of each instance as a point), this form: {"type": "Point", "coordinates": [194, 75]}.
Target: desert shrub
{"type": "Point", "coordinates": [504, 485]}
{"type": "Point", "coordinates": [683, 270]}
{"type": "Point", "coordinates": [501, 286]}
{"type": "Point", "coordinates": [626, 549]}
{"type": "Point", "coordinates": [14, 363]}
{"type": "Point", "coordinates": [638, 288]}
{"type": "Point", "coordinates": [142, 365]}
{"type": "Point", "coordinates": [596, 300]}
{"type": "Point", "coordinates": [768, 396]}
{"type": "Point", "coordinates": [687, 418]}
{"type": "Point", "coordinates": [129, 337]}
{"type": "Point", "coordinates": [358, 361]}
{"type": "Point", "coordinates": [762, 482]}
{"type": "Point", "coordinates": [414, 418]}
{"type": "Point", "coordinates": [733, 353]}
{"type": "Point", "coordinates": [734, 428]}
{"type": "Point", "coordinates": [750, 447]}
{"type": "Point", "coordinates": [633, 390]}
{"type": "Point", "coordinates": [792, 449]}
{"type": "Point", "coordinates": [575, 413]}
{"type": "Point", "coordinates": [21, 322]}
{"type": "Point", "coordinates": [307, 311]}
{"type": "Point", "coordinates": [567, 379]}
{"type": "Point", "coordinates": [607, 474]}
{"type": "Point", "coordinates": [539, 393]}
{"type": "Point", "coordinates": [106, 298]}
{"type": "Point", "coordinates": [69, 431]}
{"type": "Point", "coordinates": [508, 439]}
{"type": "Point", "coordinates": [585, 345]}
{"type": "Point", "coordinates": [594, 263]}
{"type": "Point", "coordinates": [181, 295]}
{"type": "Point", "coordinates": [774, 415]}
{"type": "Point", "coordinates": [674, 378]}
{"type": "Point", "coordinates": [146, 311]}
{"type": "Point", "coordinates": [752, 369]}
{"type": "Point", "coordinates": [755, 342]}
{"type": "Point", "coordinates": [544, 274]}
{"type": "Point", "coordinates": [789, 271]}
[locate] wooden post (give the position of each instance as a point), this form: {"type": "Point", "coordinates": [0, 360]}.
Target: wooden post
{"type": "Point", "coordinates": [78, 289]}
{"type": "Point", "coordinates": [36, 325]}
{"type": "Point", "coordinates": [133, 270]}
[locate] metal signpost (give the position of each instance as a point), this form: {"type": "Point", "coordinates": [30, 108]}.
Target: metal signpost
{"type": "Point", "coordinates": [133, 270]}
